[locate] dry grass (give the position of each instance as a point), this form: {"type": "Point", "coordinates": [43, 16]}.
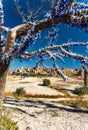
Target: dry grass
{"type": "Point", "coordinates": [73, 101]}
{"type": "Point", "coordinates": [62, 90]}
{"type": "Point", "coordinates": [6, 123]}
{"type": "Point", "coordinates": [76, 103]}
{"type": "Point", "coordinates": [53, 112]}
{"type": "Point", "coordinates": [33, 95]}
{"type": "Point", "coordinates": [40, 95]}
{"type": "Point", "coordinates": [24, 82]}
{"type": "Point", "coordinates": [80, 82]}
{"type": "Point", "coordinates": [9, 94]}
{"type": "Point", "coordinates": [10, 78]}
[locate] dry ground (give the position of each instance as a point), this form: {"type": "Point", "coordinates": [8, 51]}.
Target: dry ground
{"type": "Point", "coordinates": [55, 107]}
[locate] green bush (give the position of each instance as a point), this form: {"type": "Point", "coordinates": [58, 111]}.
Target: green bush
{"type": "Point", "coordinates": [28, 75]}
{"type": "Point", "coordinates": [20, 92]}
{"type": "Point", "coordinates": [33, 75]}
{"type": "Point", "coordinates": [7, 124]}
{"type": "Point", "coordinates": [25, 75]}
{"type": "Point", "coordinates": [81, 91]}
{"type": "Point", "coordinates": [40, 75]}
{"type": "Point", "coordinates": [46, 82]}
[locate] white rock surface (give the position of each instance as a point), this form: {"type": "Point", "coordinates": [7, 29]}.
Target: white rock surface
{"type": "Point", "coordinates": [32, 86]}
{"type": "Point", "coordinates": [48, 116]}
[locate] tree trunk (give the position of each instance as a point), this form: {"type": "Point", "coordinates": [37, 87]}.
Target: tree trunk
{"type": "Point", "coordinates": [3, 75]}
{"type": "Point", "coordinates": [85, 78]}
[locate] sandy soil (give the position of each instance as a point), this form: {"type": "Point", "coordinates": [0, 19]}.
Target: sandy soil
{"type": "Point", "coordinates": [34, 85]}
{"type": "Point", "coordinates": [40, 115]}
{"type": "Point", "coordinates": [43, 114]}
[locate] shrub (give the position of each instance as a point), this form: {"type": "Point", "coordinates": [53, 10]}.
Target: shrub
{"type": "Point", "coordinates": [46, 82]}
{"type": "Point", "coordinates": [40, 75]}
{"type": "Point", "coordinates": [25, 75]}
{"type": "Point", "coordinates": [20, 92]}
{"type": "Point", "coordinates": [7, 124]}
{"type": "Point", "coordinates": [81, 91]}
{"type": "Point", "coordinates": [33, 75]}
{"type": "Point", "coordinates": [28, 75]}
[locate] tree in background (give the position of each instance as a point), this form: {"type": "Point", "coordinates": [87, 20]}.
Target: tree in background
{"type": "Point", "coordinates": [14, 42]}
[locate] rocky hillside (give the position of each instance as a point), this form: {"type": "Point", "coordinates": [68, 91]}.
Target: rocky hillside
{"type": "Point", "coordinates": [31, 71]}
{"type": "Point", "coordinates": [76, 73]}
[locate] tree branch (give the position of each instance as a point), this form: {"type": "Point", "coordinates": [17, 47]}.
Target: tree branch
{"type": "Point", "coordinates": [22, 29]}
{"type": "Point", "coordinates": [19, 11]}
{"type": "Point", "coordinates": [40, 25]}
{"type": "Point", "coordinates": [14, 33]}
{"type": "Point", "coordinates": [58, 47]}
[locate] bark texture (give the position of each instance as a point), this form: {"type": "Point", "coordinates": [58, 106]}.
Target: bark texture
{"type": "Point", "coordinates": [85, 78]}
{"type": "Point", "coordinates": [3, 75]}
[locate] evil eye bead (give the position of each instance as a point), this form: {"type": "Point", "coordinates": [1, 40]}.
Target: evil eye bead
{"type": "Point", "coordinates": [1, 12]}
{"type": "Point", "coordinates": [1, 21]}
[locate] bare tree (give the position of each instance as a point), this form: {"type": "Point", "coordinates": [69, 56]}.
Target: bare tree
{"type": "Point", "coordinates": [62, 11]}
